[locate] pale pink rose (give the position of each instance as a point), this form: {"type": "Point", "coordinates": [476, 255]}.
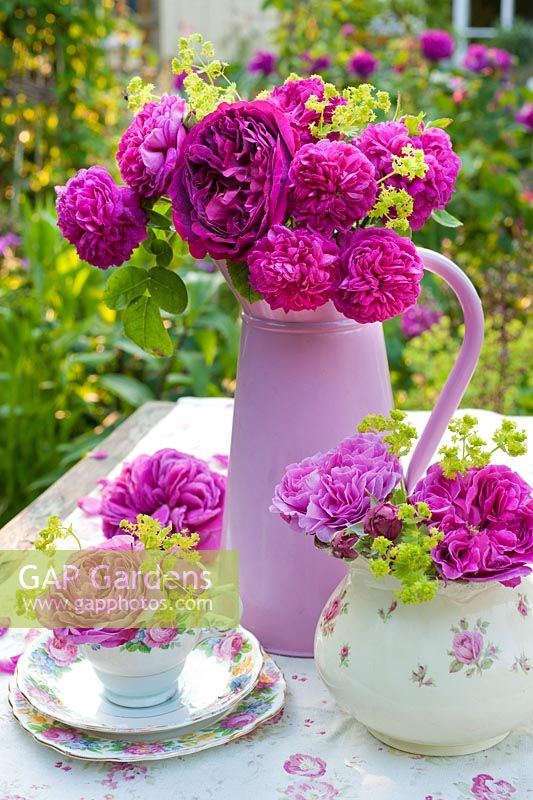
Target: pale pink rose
{"type": "Point", "coordinates": [308, 766]}
{"type": "Point", "coordinates": [467, 646]}
{"type": "Point", "coordinates": [57, 733]}
{"type": "Point", "coordinates": [159, 637]}
{"type": "Point", "coordinates": [143, 748]}
{"type": "Point", "coordinates": [61, 651]}
{"type": "Point", "coordinates": [238, 720]}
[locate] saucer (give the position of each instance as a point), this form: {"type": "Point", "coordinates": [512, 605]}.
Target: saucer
{"type": "Point", "coordinates": [220, 671]}
{"type": "Point", "coordinates": [263, 703]}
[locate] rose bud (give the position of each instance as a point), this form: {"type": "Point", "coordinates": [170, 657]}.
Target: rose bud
{"type": "Point", "coordinates": [343, 545]}
{"type": "Point", "coordinates": [382, 520]}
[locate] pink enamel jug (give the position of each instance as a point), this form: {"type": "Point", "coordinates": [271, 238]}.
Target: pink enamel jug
{"type": "Point", "coordinates": [305, 380]}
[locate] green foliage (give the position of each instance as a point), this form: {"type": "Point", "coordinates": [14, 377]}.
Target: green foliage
{"type": "Point", "coordinates": [68, 375]}
{"type": "Point", "coordinates": [54, 68]}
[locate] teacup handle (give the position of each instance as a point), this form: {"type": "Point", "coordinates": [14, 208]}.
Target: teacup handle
{"type": "Point", "coordinates": [462, 371]}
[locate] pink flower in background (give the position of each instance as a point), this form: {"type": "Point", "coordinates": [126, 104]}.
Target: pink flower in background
{"type": "Point", "coordinates": [418, 319]}
{"type": "Point", "coordinates": [230, 185]}
{"type": "Point", "coordinates": [467, 646]}
{"type": "Point", "coordinates": [525, 117]}
{"type": "Point", "coordinates": [332, 185]}
{"type": "Point", "coordinates": [104, 221]}
{"type": "Point", "coordinates": [315, 63]}
{"type": "Point", "coordinates": [263, 62]}
{"type": "Point", "coordinates": [477, 58]}
{"type": "Point", "coordinates": [485, 787]}
{"type": "Point", "coordinates": [61, 651]}
{"type": "Point", "coordinates": [347, 29]}
{"type": "Point", "coordinates": [307, 766]}
{"type": "Point", "coordinates": [436, 45]}
{"type": "Point", "coordinates": [148, 150]}
{"type": "Point", "coordinates": [363, 64]}
{"type": "Point", "coordinates": [291, 98]}
{"type": "Point", "coordinates": [293, 269]}
{"type": "Point", "coordinates": [500, 59]}
{"type": "Point", "coordinates": [173, 487]}
{"type": "Point", "coordinates": [380, 275]}
{"type": "Point", "coordinates": [382, 141]}
{"type": "Point", "coordinates": [159, 637]}
{"type": "Point", "coordinates": [9, 242]}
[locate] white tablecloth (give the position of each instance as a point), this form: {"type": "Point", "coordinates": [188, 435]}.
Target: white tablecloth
{"type": "Point", "coordinates": [314, 752]}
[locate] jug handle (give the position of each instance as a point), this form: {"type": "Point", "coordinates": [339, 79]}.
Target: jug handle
{"type": "Point", "coordinates": [462, 371]}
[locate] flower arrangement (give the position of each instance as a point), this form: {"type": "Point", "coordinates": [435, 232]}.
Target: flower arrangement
{"type": "Point", "coordinates": [75, 625]}
{"type": "Point", "coordinates": [308, 192]}
{"type": "Point", "coordinates": [466, 520]}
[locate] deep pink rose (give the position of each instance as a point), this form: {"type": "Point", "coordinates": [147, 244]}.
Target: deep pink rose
{"type": "Point", "coordinates": [263, 62]}
{"type": "Point", "coordinates": [436, 45]}
{"type": "Point", "coordinates": [467, 646]}
{"type": "Point", "coordinates": [363, 64]}
{"type": "Point", "coordinates": [159, 637]}
{"type": "Point", "coordinates": [307, 766]}
{"type": "Point", "coordinates": [332, 185]}
{"type": "Point", "coordinates": [294, 269]}
{"type": "Point", "coordinates": [104, 221]}
{"type": "Point", "coordinates": [148, 150]}
{"type": "Point", "coordinates": [230, 185]}
{"type": "Point", "coordinates": [292, 96]}
{"type": "Point", "coordinates": [380, 274]}
{"type": "Point", "coordinates": [173, 487]}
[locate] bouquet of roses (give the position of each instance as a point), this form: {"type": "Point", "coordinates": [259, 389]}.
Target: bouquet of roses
{"type": "Point", "coordinates": [466, 520]}
{"type": "Point", "coordinates": [309, 194]}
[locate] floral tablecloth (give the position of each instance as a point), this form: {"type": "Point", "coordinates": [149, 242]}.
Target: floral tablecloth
{"type": "Point", "coordinates": [312, 752]}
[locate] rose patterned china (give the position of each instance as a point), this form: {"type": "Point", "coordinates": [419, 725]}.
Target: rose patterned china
{"type": "Point", "coordinates": [263, 703]}
{"type": "Point", "coordinates": [449, 677]}
{"type": "Point", "coordinates": [218, 673]}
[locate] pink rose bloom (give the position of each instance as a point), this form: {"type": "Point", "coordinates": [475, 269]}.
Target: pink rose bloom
{"type": "Point", "coordinates": [293, 269]}
{"type": "Point", "coordinates": [61, 651]}
{"type": "Point", "coordinates": [55, 733]}
{"type": "Point", "coordinates": [159, 637]}
{"type": "Point", "coordinates": [239, 720]}
{"type": "Point", "coordinates": [363, 64]}
{"type": "Point", "coordinates": [104, 221]}
{"type": "Point", "coordinates": [380, 275]}
{"type": "Point", "coordinates": [380, 142]}
{"type": "Point", "coordinates": [143, 748]}
{"type": "Point", "coordinates": [332, 185]}
{"type": "Point", "coordinates": [436, 45]}
{"type": "Point", "coordinates": [230, 183]}
{"type": "Point", "coordinates": [467, 646]}
{"type": "Point", "coordinates": [148, 150]}
{"type": "Point", "coordinates": [308, 766]}
{"type": "Point", "coordinates": [333, 610]}
{"type": "Point", "coordinates": [292, 495]}
{"type": "Point", "coordinates": [418, 319]}
{"type": "Point", "coordinates": [229, 647]}
{"type": "Point", "coordinates": [525, 117]}
{"type": "Point", "coordinates": [446, 497]}
{"type": "Point", "coordinates": [173, 487]}
{"type": "Point", "coordinates": [485, 787]}
{"type": "Point", "coordinates": [291, 98]}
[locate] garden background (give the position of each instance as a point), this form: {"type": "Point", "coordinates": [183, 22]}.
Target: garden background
{"type": "Point", "coordinates": [69, 375]}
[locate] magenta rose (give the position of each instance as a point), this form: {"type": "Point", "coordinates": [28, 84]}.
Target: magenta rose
{"type": "Point", "coordinates": [446, 498]}
{"type": "Point", "coordinates": [173, 487]}
{"type": "Point", "coordinates": [159, 637]}
{"type": "Point", "coordinates": [467, 646]}
{"type": "Point", "coordinates": [436, 45]}
{"type": "Point", "coordinates": [382, 141]}
{"type": "Point", "coordinates": [263, 63]}
{"type": "Point", "coordinates": [292, 495]}
{"type": "Point", "coordinates": [332, 185]}
{"type": "Point", "coordinates": [148, 150]}
{"type": "Point", "coordinates": [380, 274]}
{"type": "Point", "coordinates": [229, 647]}
{"type": "Point", "coordinates": [343, 545]}
{"type": "Point", "coordinates": [104, 221]}
{"type": "Point", "coordinates": [230, 185]}
{"type": "Point", "coordinates": [477, 58]}
{"type": "Point", "coordinates": [363, 64]}
{"type": "Point", "coordinates": [292, 97]}
{"type": "Point", "coordinates": [294, 269]}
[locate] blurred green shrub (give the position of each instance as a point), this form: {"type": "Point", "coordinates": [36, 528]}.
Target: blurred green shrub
{"type": "Point", "coordinates": [68, 375]}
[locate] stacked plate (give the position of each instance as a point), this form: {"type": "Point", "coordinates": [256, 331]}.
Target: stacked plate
{"type": "Point", "coordinates": [227, 688]}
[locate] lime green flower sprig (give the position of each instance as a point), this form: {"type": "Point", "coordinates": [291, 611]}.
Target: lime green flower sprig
{"type": "Point", "coordinates": [153, 536]}
{"type": "Point", "coordinates": [206, 84]}
{"type": "Point", "coordinates": [401, 434]}
{"type": "Point", "coordinates": [468, 450]}
{"type": "Point", "coordinates": [139, 93]}
{"type": "Point", "coordinates": [362, 103]}
{"type": "Point", "coordinates": [55, 531]}
{"type": "Point", "coordinates": [395, 206]}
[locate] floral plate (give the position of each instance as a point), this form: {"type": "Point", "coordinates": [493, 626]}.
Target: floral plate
{"type": "Point", "coordinates": [261, 704]}
{"type": "Point", "coordinates": [218, 674]}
